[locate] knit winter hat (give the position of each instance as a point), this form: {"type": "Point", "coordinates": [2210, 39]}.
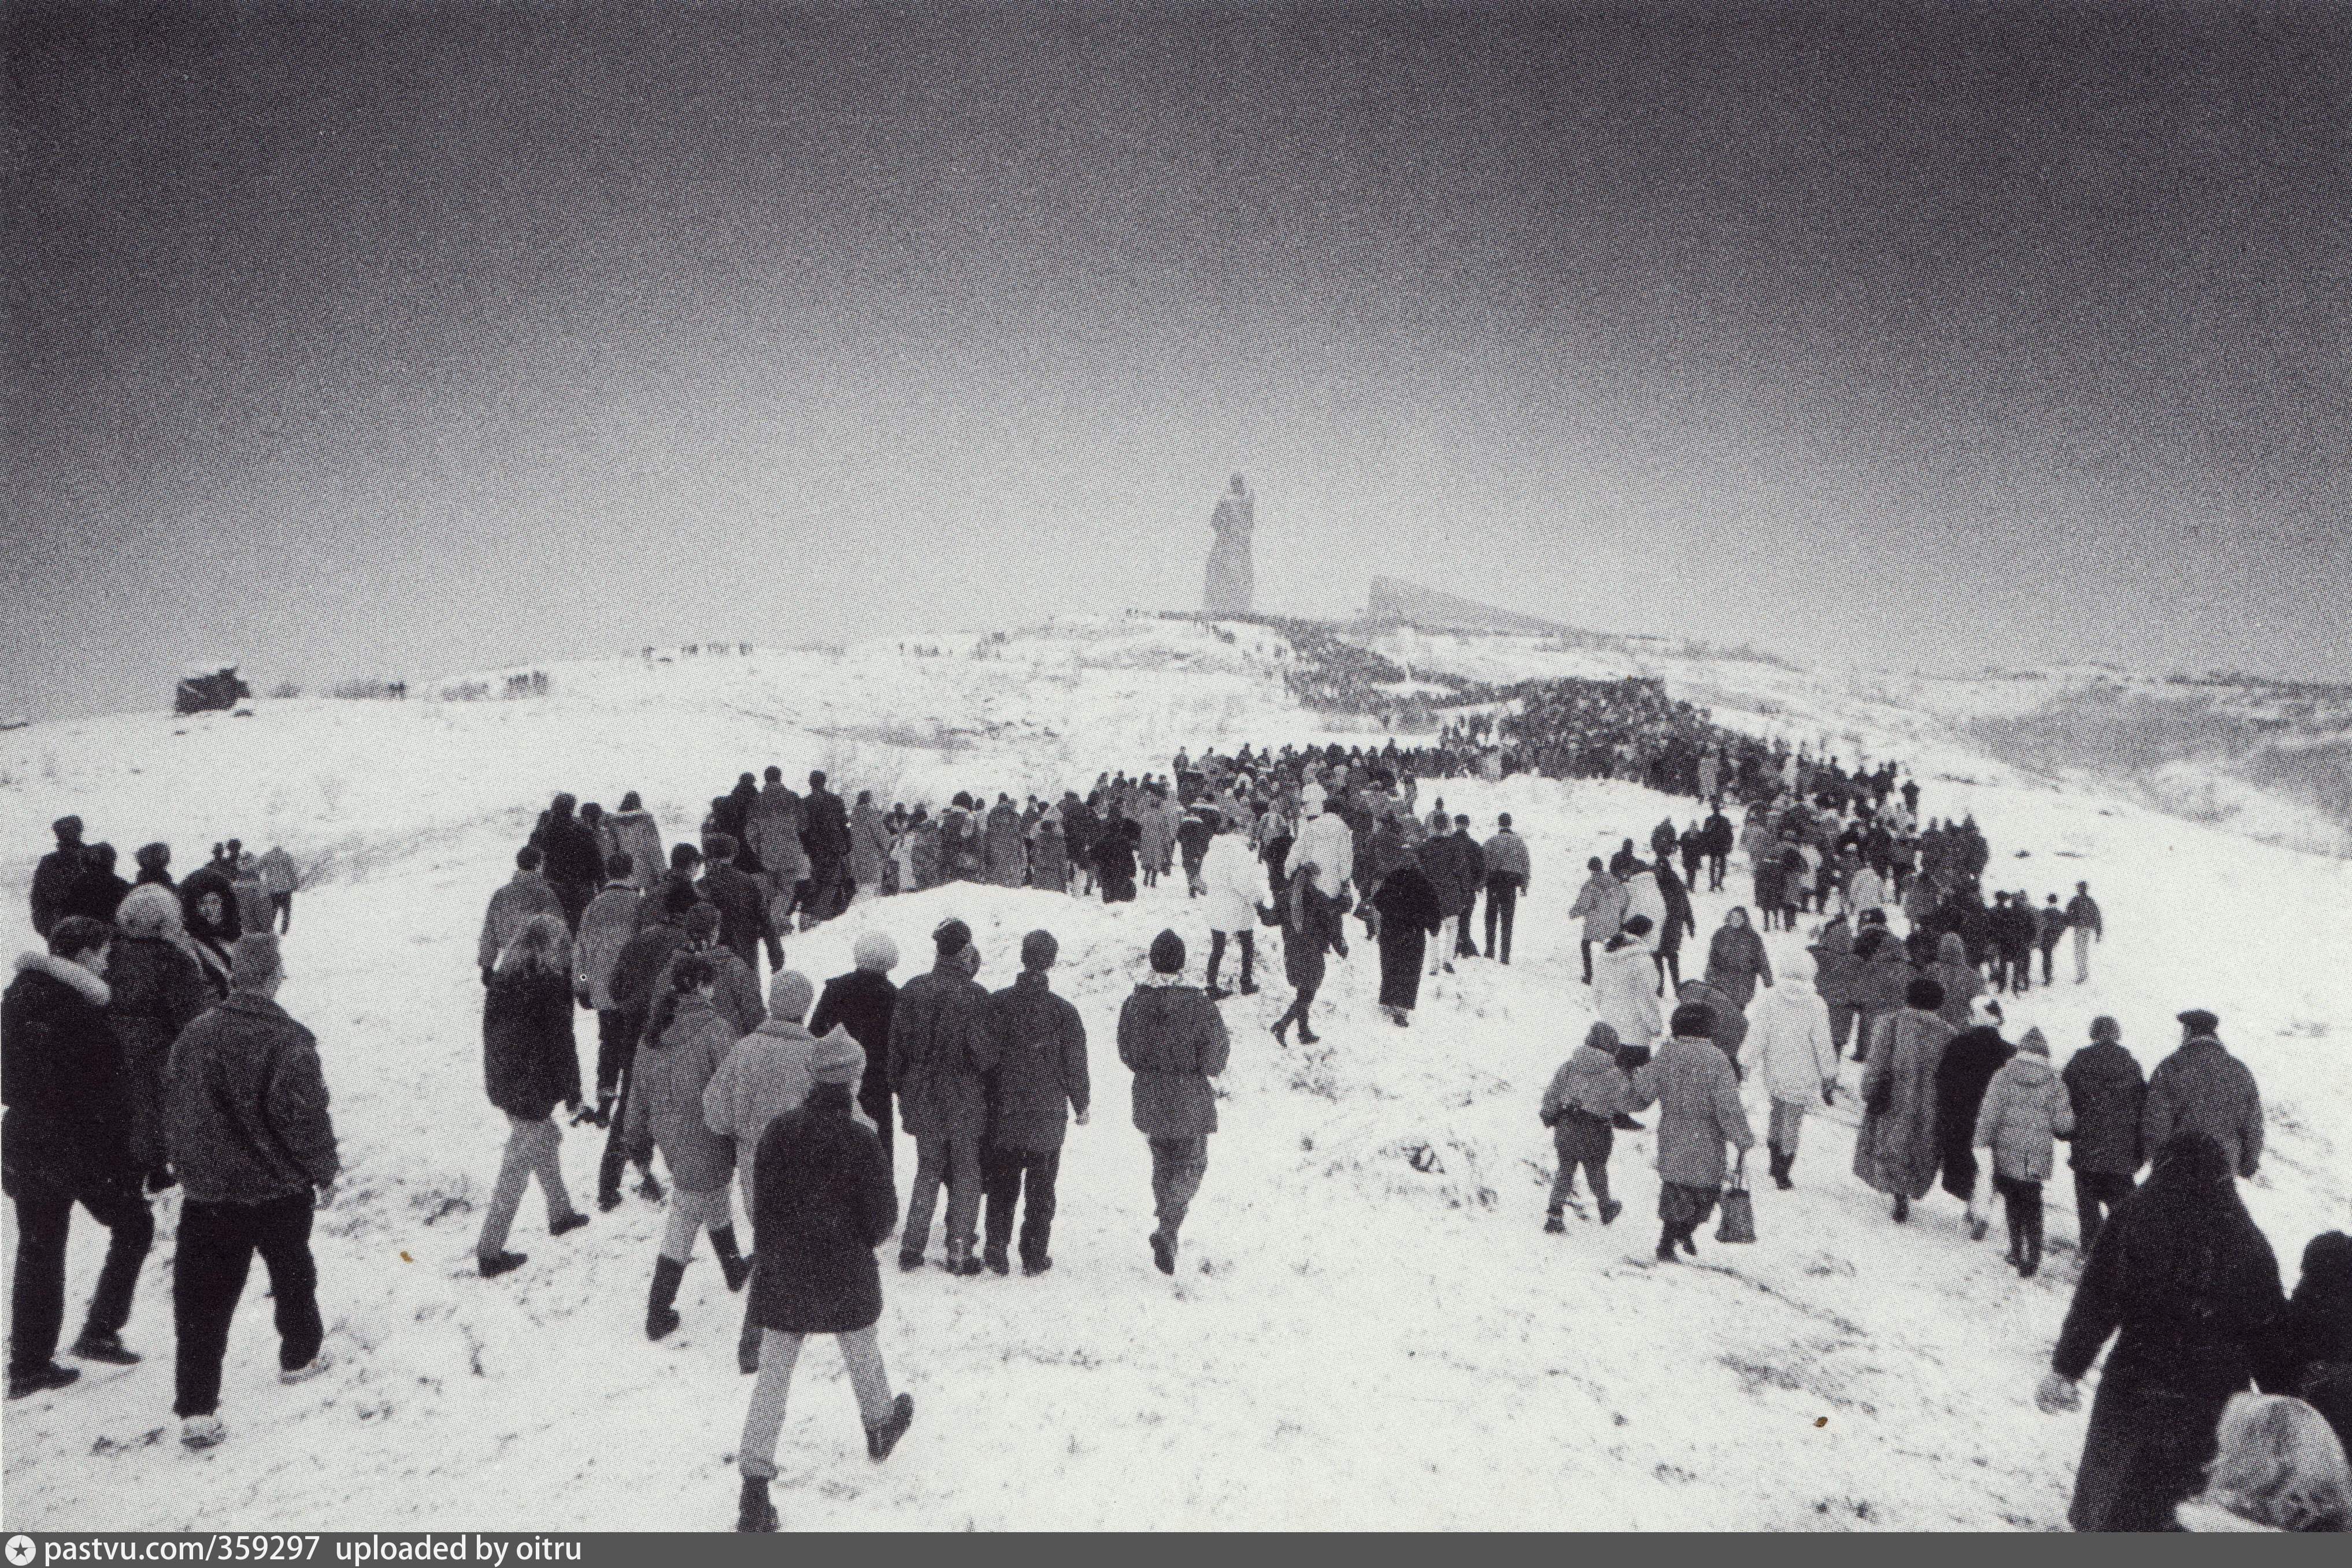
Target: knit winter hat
{"type": "Point", "coordinates": [1602, 1037]}
{"type": "Point", "coordinates": [875, 950]}
{"type": "Point", "coordinates": [1925, 994]}
{"type": "Point", "coordinates": [789, 994]}
{"type": "Point", "coordinates": [702, 920]}
{"type": "Point", "coordinates": [1168, 954]}
{"type": "Point", "coordinates": [2105, 1028]}
{"type": "Point", "coordinates": [152, 857]}
{"type": "Point", "coordinates": [1038, 950]}
{"type": "Point", "coordinates": [253, 962]}
{"type": "Point", "coordinates": [2032, 1040]}
{"type": "Point", "coordinates": [838, 1058]}
{"type": "Point", "coordinates": [950, 936]}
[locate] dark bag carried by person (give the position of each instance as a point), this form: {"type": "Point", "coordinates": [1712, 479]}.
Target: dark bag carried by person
{"type": "Point", "coordinates": [1739, 1213]}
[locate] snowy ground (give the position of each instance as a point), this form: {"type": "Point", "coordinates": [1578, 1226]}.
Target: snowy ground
{"type": "Point", "coordinates": [1352, 1341]}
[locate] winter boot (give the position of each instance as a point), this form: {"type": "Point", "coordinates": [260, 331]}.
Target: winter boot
{"type": "Point", "coordinates": [604, 1116]}
{"type": "Point", "coordinates": [661, 1315]}
{"type": "Point", "coordinates": [757, 1512]}
{"type": "Point", "coordinates": [1684, 1234]}
{"type": "Point", "coordinates": [731, 1262]}
{"type": "Point", "coordinates": [1977, 1223]}
{"type": "Point", "coordinates": [1163, 1253]}
{"type": "Point", "coordinates": [102, 1344]}
{"type": "Point", "coordinates": [39, 1378]}
{"type": "Point", "coordinates": [880, 1440]}
{"type": "Point", "coordinates": [1787, 1165]}
{"type": "Point", "coordinates": [1780, 1170]}
{"type": "Point", "coordinates": [1666, 1244]}
{"type": "Point", "coordinates": [1902, 1208]}
{"type": "Point", "coordinates": [998, 1260]}
{"type": "Point", "coordinates": [1553, 1224]}
{"type": "Point", "coordinates": [1610, 1210]}
{"type": "Point", "coordinates": [649, 1186]}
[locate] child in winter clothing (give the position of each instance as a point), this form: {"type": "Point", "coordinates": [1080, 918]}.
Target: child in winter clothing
{"type": "Point", "coordinates": [2026, 1106]}
{"type": "Point", "coordinates": [1585, 1096]}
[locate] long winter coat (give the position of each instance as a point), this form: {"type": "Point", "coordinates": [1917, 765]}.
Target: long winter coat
{"type": "Point", "coordinates": [1171, 1037]}
{"type": "Point", "coordinates": [1697, 1097]}
{"type": "Point", "coordinates": [1895, 1151]}
{"type": "Point", "coordinates": [1792, 1045]}
{"type": "Point", "coordinates": [665, 1096]}
{"type": "Point", "coordinates": [157, 990]}
{"type": "Point", "coordinates": [2108, 1094]}
{"type": "Point", "coordinates": [61, 1076]}
{"type": "Point", "coordinates": [822, 1201]}
{"type": "Point", "coordinates": [1837, 973]}
{"type": "Point", "coordinates": [1625, 990]}
{"type": "Point", "coordinates": [1007, 852]}
{"type": "Point", "coordinates": [941, 1051]}
{"type": "Point", "coordinates": [531, 1063]}
{"type": "Point", "coordinates": [869, 842]}
{"type": "Point", "coordinates": [2193, 1288]}
{"type": "Point", "coordinates": [1040, 1076]}
{"type": "Point", "coordinates": [1409, 916]}
{"type": "Point", "coordinates": [2311, 1355]}
{"type": "Point", "coordinates": [1310, 921]}
{"type": "Point", "coordinates": [1049, 858]}
{"type": "Point", "coordinates": [1736, 960]}
{"type": "Point", "coordinates": [2025, 1111]}
{"type": "Point", "coordinates": [2202, 1088]}
{"type": "Point", "coordinates": [1967, 1066]}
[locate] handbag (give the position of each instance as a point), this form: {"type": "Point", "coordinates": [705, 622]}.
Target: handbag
{"type": "Point", "coordinates": [1739, 1213]}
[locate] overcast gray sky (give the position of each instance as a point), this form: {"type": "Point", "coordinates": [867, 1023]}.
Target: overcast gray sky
{"type": "Point", "coordinates": [403, 339]}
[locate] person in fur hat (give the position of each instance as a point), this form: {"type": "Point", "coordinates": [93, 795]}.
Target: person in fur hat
{"type": "Point", "coordinates": [2025, 1111]}
{"type": "Point", "coordinates": [1171, 1038]}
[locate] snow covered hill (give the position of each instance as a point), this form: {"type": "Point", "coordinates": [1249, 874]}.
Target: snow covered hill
{"type": "Point", "coordinates": [1369, 1328]}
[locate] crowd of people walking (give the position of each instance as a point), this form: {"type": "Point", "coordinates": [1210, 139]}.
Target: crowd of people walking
{"type": "Point", "coordinates": [144, 1047]}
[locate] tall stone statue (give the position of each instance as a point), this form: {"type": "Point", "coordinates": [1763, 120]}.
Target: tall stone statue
{"type": "Point", "coordinates": [1233, 582]}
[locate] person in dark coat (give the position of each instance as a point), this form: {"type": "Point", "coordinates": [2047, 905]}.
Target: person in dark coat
{"type": "Point", "coordinates": [1172, 1038]}
{"type": "Point", "coordinates": [1455, 867]}
{"type": "Point", "coordinates": [1967, 1066]}
{"type": "Point", "coordinates": [745, 926]}
{"type": "Point", "coordinates": [2201, 1087]}
{"type": "Point", "coordinates": [54, 877]}
{"type": "Point", "coordinates": [154, 862]}
{"type": "Point", "coordinates": [862, 1001]}
{"type": "Point", "coordinates": [1040, 1079]}
{"type": "Point", "coordinates": [1736, 959]}
{"type": "Point", "coordinates": [157, 990]}
{"type": "Point", "coordinates": [637, 968]}
{"type": "Point", "coordinates": [2311, 1355]}
{"type": "Point", "coordinates": [1679, 923]}
{"type": "Point", "coordinates": [1409, 916]}
{"type": "Point", "coordinates": [66, 1139]}
{"type": "Point", "coordinates": [254, 1149]}
{"type": "Point", "coordinates": [530, 1065]}
{"type": "Point", "coordinates": [1310, 923]}
{"type": "Point", "coordinates": [208, 903]}
{"type": "Point", "coordinates": [1114, 859]}
{"type": "Point", "coordinates": [1838, 978]}
{"type": "Point", "coordinates": [574, 862]}
{"type": "Point", "coordinates": [2104, 1084]}
{"type": "Point", "coordinates": [1699, 1111]}
{"type": "Point", "coordinates": [2193, 1288]}
{"type": "Point", "coordinates": [96, 892]}
{"type": "Point", "coordinates": [822, 1201]}
{"type": "Point", "coordinates": [825, 833]}
{"type": "Point", "coordinates": [940, 1052]}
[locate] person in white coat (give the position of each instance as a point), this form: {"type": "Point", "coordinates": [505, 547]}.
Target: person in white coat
{"type": "Point", "coordinates": [1231, 883]}
{"type": "Point", "coordinates": [1325, 842]}
{"type": "Point", "coordinates": [1791, 1038]}
{"type": "Point", "coordinates": [1622, 993]}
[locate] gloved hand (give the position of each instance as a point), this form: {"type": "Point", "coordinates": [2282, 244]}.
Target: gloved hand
{"type": "Point", "coordinates": [324, 1198]}
{"type": "Point", "coordinates": [2057, 1393]}
{"type": "Point", "coordinates": [1080, 1118]}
